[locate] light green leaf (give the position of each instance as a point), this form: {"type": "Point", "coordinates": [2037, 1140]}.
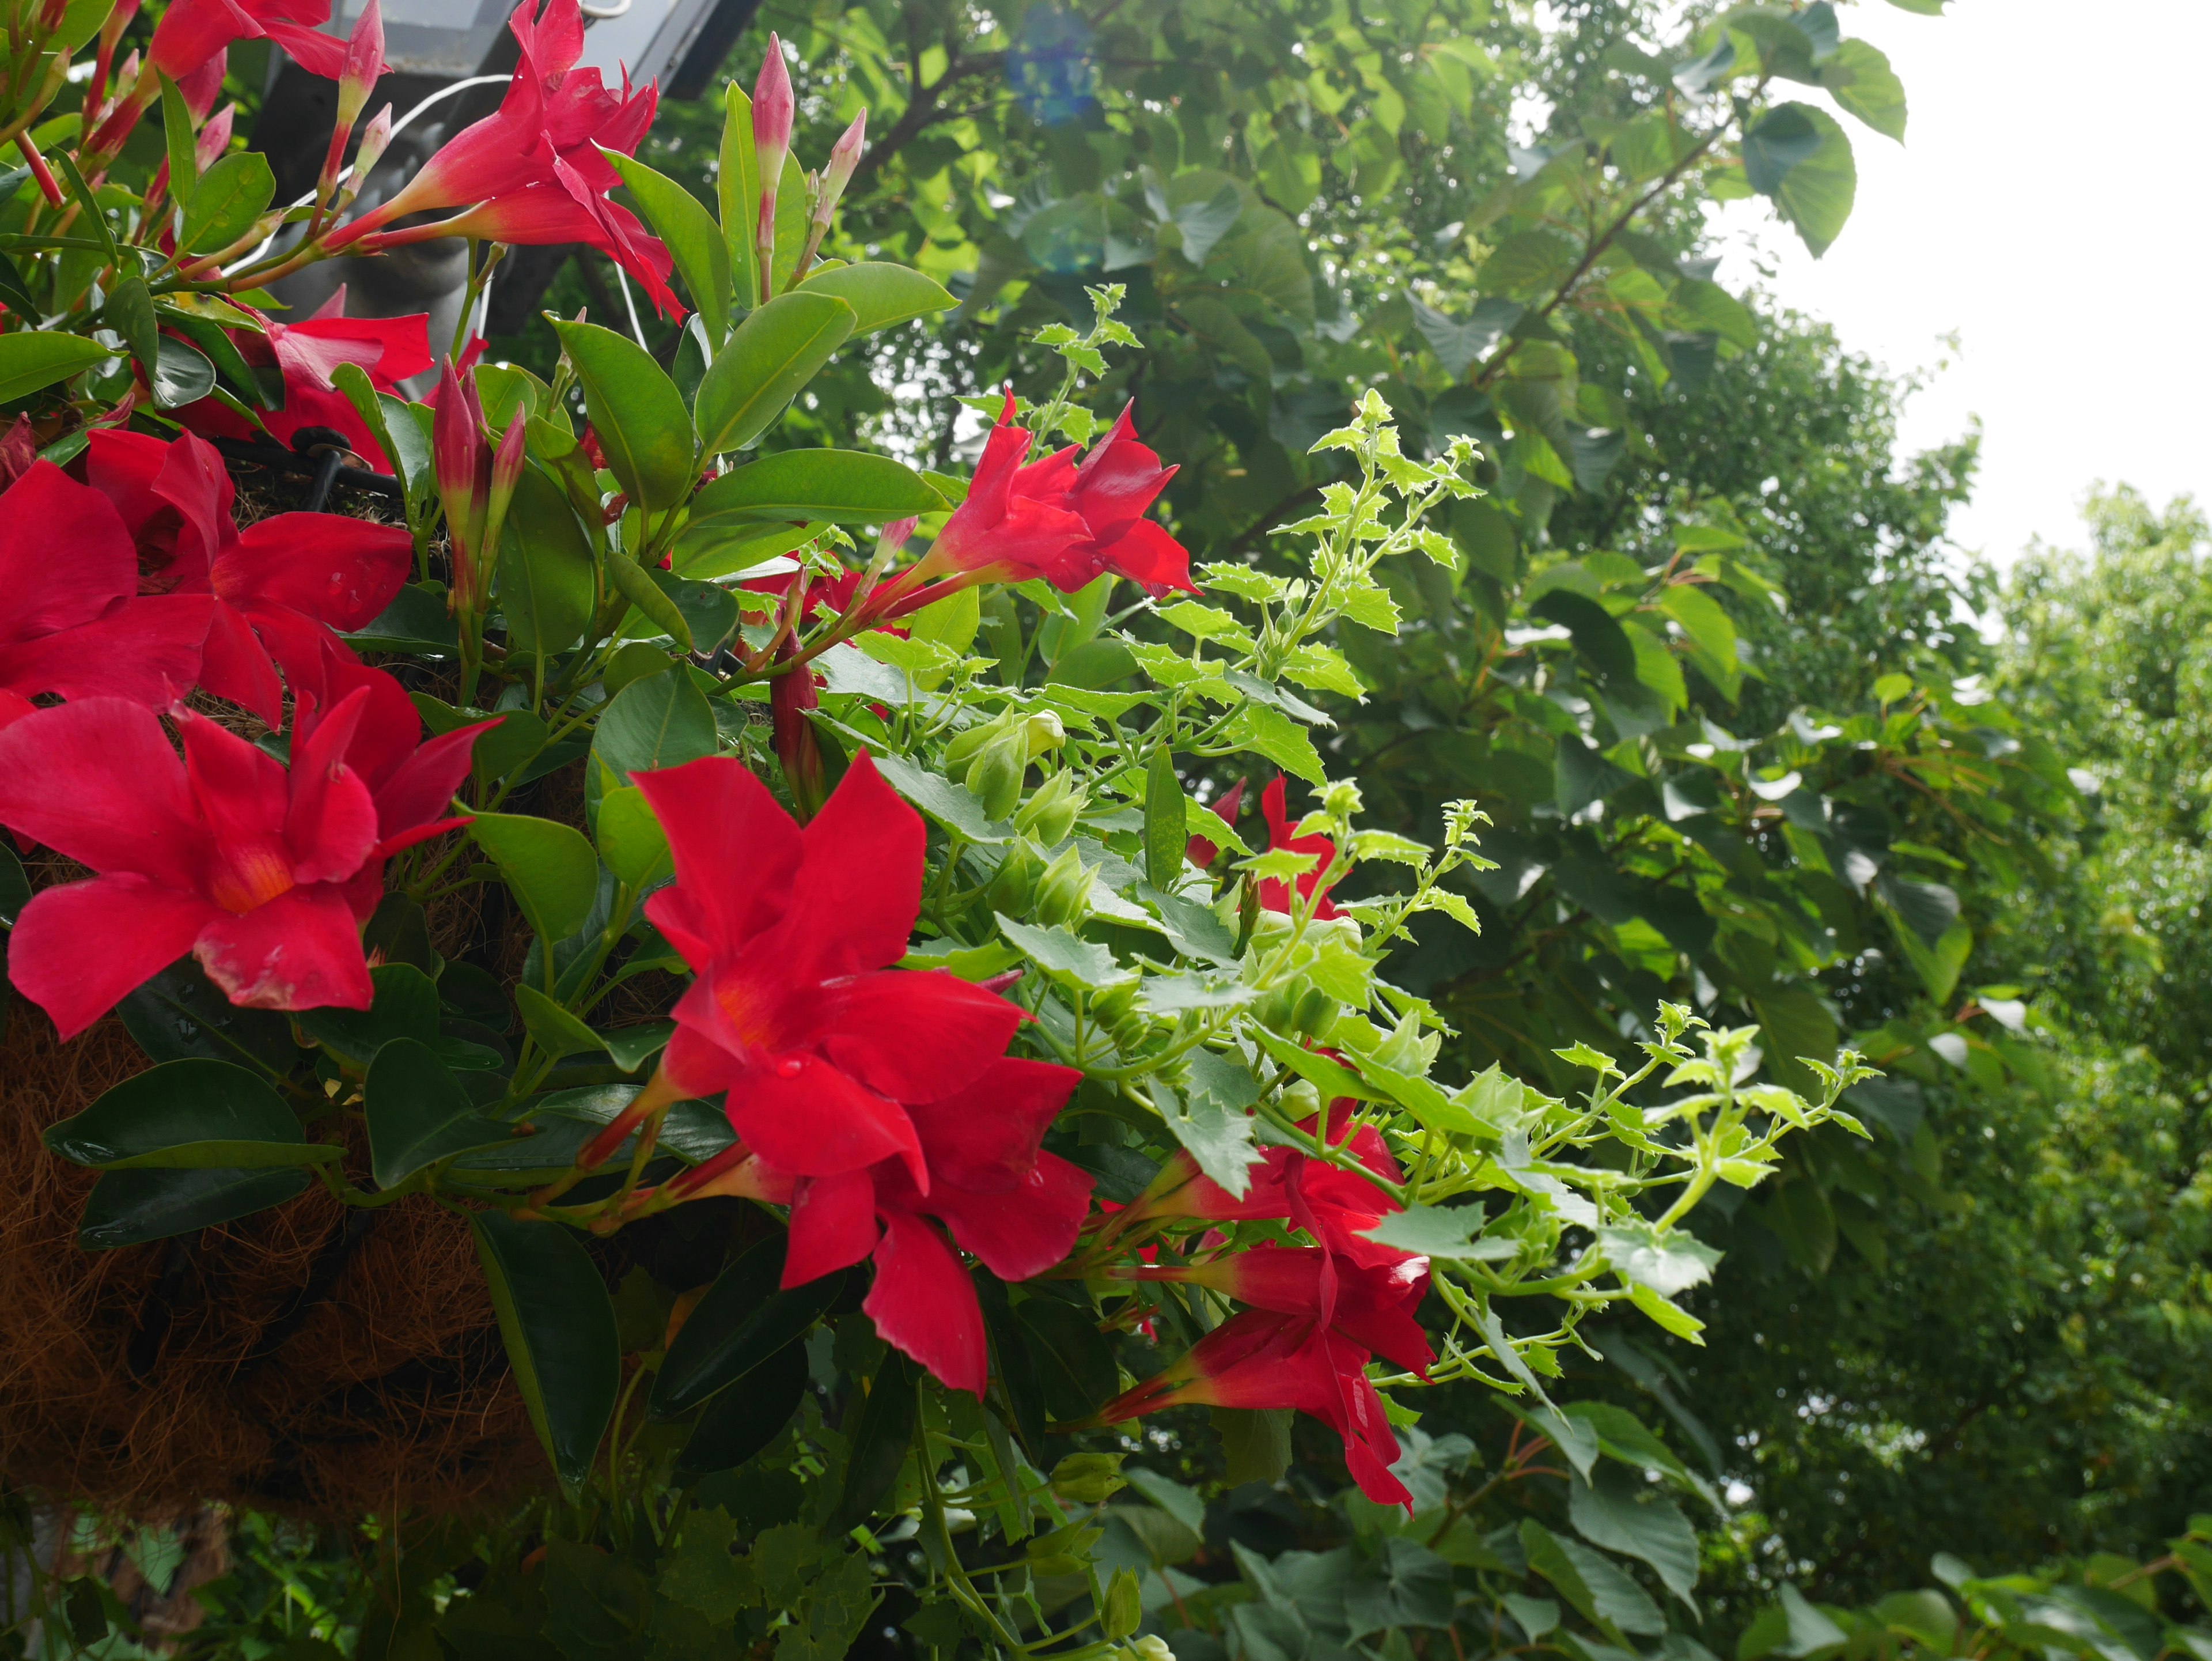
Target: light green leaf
{"type": "Point", "coordinates": [1268, 732]}
{"type": "Point", "coordinates": [681, 221]}
{"type": "Point", "coordinates": [773, 353]}
{"type": "Point", "coordinates": [1448, 1231]}
{"type": "Point", "coordinates": [1068, 959]}
{"type": "Point", "coordinates": [843, 487]}
{"type": "Point", "coordinates": [661, 721]}
{"type": "Point", "coordinates": [1669, 1262]}
{"type": "Point", "coordinates": [631, 841]}
{"type": "Point", "coordinates": [229, 197]}
{"type": "Point", "coordinates": [1799, 156]}
{"type": "Point", "coordinates": [545, 587]}
{"type": "Point", "coordinates": [558, 1032]}
{"type": "Point", "coordinates": [643, 428]}
{"type": "Point", "coordinates": [879, 293]}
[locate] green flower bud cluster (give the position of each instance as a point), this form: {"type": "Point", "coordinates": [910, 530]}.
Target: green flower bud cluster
{"type": "Point", "coordinates": [990, 759]}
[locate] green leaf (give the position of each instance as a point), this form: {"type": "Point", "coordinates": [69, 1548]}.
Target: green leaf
{"type": "Point", "coordinates": [545, 587]}
{"type": "Point", "coordinates": [1449, 1231]}
{"type": "Point", "coordinates": [1589, 1580]}
{"type": "Point", "coordinates": [681, 221]}
{"type": "Point", "coordinates": [1799, 156]}
{"type": "Point", "coordinates": [1268, 731]}
{"type": "Point", "coordinates": [743, 1419]}
{"type": "Point", "coordinates": [558, 1033]}
{"type": "Point", "coordinates": [773, 353]}
{"type": "Point", "coordinates": [843, 487]}
{"type": "Point", "coordinates": [1858, 77]}
{"type": "Point", "coordinates": [128, 1207]}
{"type": "Point", "coordinates": [559, 1325]}
{"type": "Point", "coordinates": [631, 841]}
{"type": "Point", "coordinates": [177, 137]}
{"type": "Point", "coordinates": [129, 312]}
{"type": "Point", "coordinates": [950, 805]}
{"type": "Point", "coordinates": [643, 428]}
{"type": "Point", "coordinates": [1212, 1131]}
{"type": "Point", "coordinates": [181, 375]}
{"type": "Point", "coordinates": [880, 1440]}
{"type": "Point", "coordinates": [1617, 1511]}
{"type": "Point", "coordinates": [180, 1014]}
{"type": "Point", "coordinates": [405, 1006]}
{"type": "Point", "coordinates": [418, 1114]}
{"type": "Point", "coordinates": [737, 185]}
{"type": "Point", "coordinates": [661, 721]}
{"type": "Point", "coordinates": [1068, 959]}
{"type": "Point", "coordinates": [1074, 1364]}
{"type": "Point", "coordinates": [1668, 1262]}
{"type": "Point", "coordinates": [744, 1319]}
{"type": "Point", "coordinates": [551, 867]}
{"type": "Point", "coordinates": [229, 197]}
{"type": "Point", "coordinates": [637, 585]}
{"type": "Point", "coordinates": [187, 1115]}
{"type": "Point", "coordinates": [1256, 1444]}
{"type": "Point", "coordinates": [32, 358]}
{"type": "Point", "coordinates": [1166, 822]}
{"type": "Point", "coordinates": [880, 294]}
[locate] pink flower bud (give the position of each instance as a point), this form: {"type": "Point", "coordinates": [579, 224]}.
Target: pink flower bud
{"type": "Point", "coordinates": [374, 137]}
{"type": "Point", "coordinates": [772, 112]}
{"type": "Point", "coordinates": [364, 64]}
{"type": "Point", "coordinates": [215, 137]}
{"type": "Point", "coordinates": [844, 157]}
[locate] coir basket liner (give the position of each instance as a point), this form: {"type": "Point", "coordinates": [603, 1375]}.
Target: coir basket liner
{"type": "Point", "coordinates": [308, 1360]}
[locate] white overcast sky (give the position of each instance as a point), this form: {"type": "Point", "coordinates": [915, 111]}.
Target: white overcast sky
{"type": "Point", "coordinates": [2049, 211]}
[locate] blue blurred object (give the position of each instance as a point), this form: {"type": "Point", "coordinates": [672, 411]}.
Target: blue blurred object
{"type": "Point", "coordinates": [1050, 67]}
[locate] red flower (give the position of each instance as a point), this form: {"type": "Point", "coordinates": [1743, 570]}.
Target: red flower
{"type": "Point", "coordinates": [1265, 1359]}
{"type": "Point", "coordinates": [389, 350]}
{"type": "Point", "coordinates": [193, 32]}
{"type": "Point", "coordinates": [1065, 521]}
{"type": "Point", "coordinates": [533, 171]}
{"type": "Point", "coordinates": [1373, 1306]}
{"type": "Point", "coordinates": [1003, 1198]}
{"type": "Point", "coordinates": [795, 1011]}
{"type": "Point", "coordinates": [68, 623]}
{"type": "Point", "coordinates": [280, 586]}
{"type": "Point", "coordinates": [1335, 1207]}
{"type": "Point", "coordinates": [262, 873]}
{"type": "Point", "coordinates": [1274, 892]}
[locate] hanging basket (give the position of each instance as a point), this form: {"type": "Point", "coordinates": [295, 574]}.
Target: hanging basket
{"type": "Point", "coordinates": [310, 1359]}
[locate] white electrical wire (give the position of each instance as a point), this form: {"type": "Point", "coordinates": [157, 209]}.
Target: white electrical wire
{"type": "Point", "coordinates": [636, 329]}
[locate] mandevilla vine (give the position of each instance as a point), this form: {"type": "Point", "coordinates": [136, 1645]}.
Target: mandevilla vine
{"type": "Point", "coordinates": [829, 904]}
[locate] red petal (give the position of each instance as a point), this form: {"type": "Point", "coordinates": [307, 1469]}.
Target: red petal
{"type": "Point", "coordinates": [240, 791]}
{"type": "Point", "coordinates": [330, 823]}
{"type": "Point", "coordinates": [425, 782]}
{"type": "Point", "coordinates": [236, 666]}
{"type": "Point", "coordinates": [833, 1225]}
{"type": "Point", "coordinates": [146, 650]}
{"type": "Point", "coordinates": [1024, 1231]}
{"type": "Point", "coordinates": [96, 780]}
{"type": "Point", "coordinates": [340, 571]}
{"type": "Point", "coordinates": [924, 1303]}
{"type": "Point", "coordinates": [302, 951]}
{"type": "Point", "coordinates": [735, 851]}
{"type": "Point", "coordinates": [859, 879]}
{"type": "Point", "coordinates": [915, 1036]}
{"type": "Point", "coordinates": [985, 1137]}
{"type": "Point", "coordinates": [808, 1117]}
{"type": "Point", "coordinates": [1118, 480]}
{"type": "Point", "coordinates": [122, 466]}
{"type": "Point", "coordinates": [1148, 554]}
{"type": "Point", "coordinates": [65, 556]}
{"type": "Point", "coordinates": [194, 481]}
{"type": "Point", "coordinates": [79, 948]}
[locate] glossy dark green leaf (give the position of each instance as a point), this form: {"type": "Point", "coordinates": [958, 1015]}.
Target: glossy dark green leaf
{"type": "Point", "coordinates": [662, 720]}
{"type": "Point", "coordinates": [180, 1012]}
{"type": "Point", "coordinates": [643, 429]}
{"type": "Point", "coordinates": [681, 221]}
{"type": "Point", "coordinates": [15, 294]}
{"type": "Point", "coordinates": [418, 1114]}
{"type": "Point", "coordinates": [14, 886]}
{"type": "Point", "coordinates": [637, 585]}
{"type": "Point", "coordinates": [749, 1415]}
{"type": "Point", "coordinates": [417, 621]}
{"type": "Point", "coordinates": [844, 487]}
{"type": "Point", "coordinates": [546, 587]}
{"type": "Point", "coordinates": [559, 1325]}
{"type": "Point", "coordinates": [405, 1006]}
{"type": "Point", "coordinates": [737, 187]}
{"type": "Point", "coordinates": [230, 196]}
{"type": "Point", "coordinates": [1074, 1365]}
{"type": "Point", "coordinates": [182, 374]}
{"type": "Point", "coordinates": [128, 1207]}
{"type": "Point", "coordinates": [879, 1441]}
{"type": "Point", "coordinates": [179, 139]}
{"type": "Point", "coordinates": [880, 293]}
{"type": "Point", "coordinates": [743, 1319]}
{"type": "Point", "coordinates": [32, 358]}
{"type": "Point", "coordinates": [129, 312]}
{"type": "Point", "coordinates": [214, 343]}
{"type": "Point", "coordinates": [551, 868]}
{"type": "Point", "coordinates": [187, 1115]}
{"type": "Point", "coordinates": [773, 355]}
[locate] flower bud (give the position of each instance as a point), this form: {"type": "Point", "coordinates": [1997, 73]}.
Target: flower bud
{"type": "Point", "coordinates": [1314, 1013]}
{"type": "Point", "coordinates": [364, 64]}
{"type": "Point", "coordinates": [772, 112]}
{"type": "Point", "coordinates": [1151, 1648]}
{"type": "Point", "coordinates": [1123, 1609]}
{"type": "Point", "coordinates": [375, 138]}
{"type": "Point", "coordinates": [1063, 894]}
{"type": "Point", "coordinates": [968, 743]}
{"type": "Point", "coordinates": [1088, 1479]}
{"type": "Point", "coordinates": [1050, 814]}
{"type": "Point", "coordinates": [1274, 1009]}
{"type": "Point", "coordinates": [844, 156]}
{"type": "Point", "coordinates": [1341, 799]}
{"type": "Point", "coordinates": [1008, 890]}
{"type": "Point", "coordinates": [1045, 734]}
{"type": "Point", "coordinates": [1300, 1099]}
{"type": "Point", "coordinates": [994, 777]}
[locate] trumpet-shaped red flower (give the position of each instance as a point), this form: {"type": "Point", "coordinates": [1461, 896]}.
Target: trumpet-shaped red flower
{"type": "Point", "coordinates": [991, 1184]}
{"type": "Point", "coordinates": [193, 32]}
{"type": "Point", "coordinates": [533, 171]}
{"type": "Point", "coordinates": [68, 623]}
{"type": "Point", "coordinates": [796, 1012]}
{"type": "Point", "coordinates": [1265, 1359]}
{"type": "Point", "coordinates": [1274, 892]}
{"type": "Point", "coordinates": [279, 586]}
{"type": "Point", "coordinates": [1373, 1307]}
{"type": "Point", "coordinates": [263, 874]}
{"type": "Point", "coordinates": [389, 350]}
{"type": "Point", "coordinates": [1064, 520]}
{"type": "Point", "coordinates": [1335, 1207]}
